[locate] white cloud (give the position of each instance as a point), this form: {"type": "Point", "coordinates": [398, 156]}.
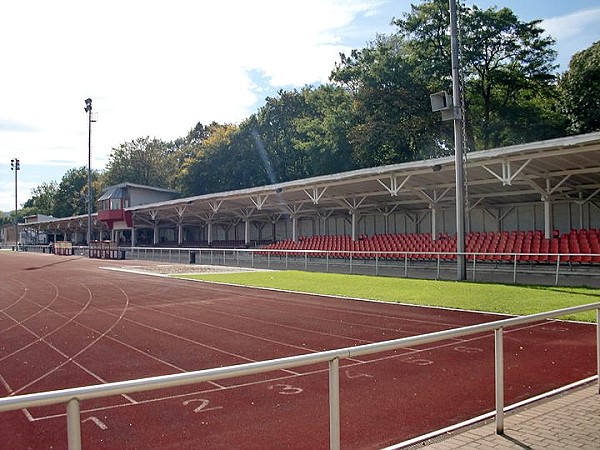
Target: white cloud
{"type": "Point", "coordinates": [574, 24]}
{"type": "Point", "coordinates": [154, 67]}
{"type": "Point", "coordinates": [573, 32]}
{"type": "Point", "coordinates": [151, 67]}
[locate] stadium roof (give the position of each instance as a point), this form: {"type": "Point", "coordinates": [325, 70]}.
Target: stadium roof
{"type": "Point", "coordinates": [120, 190]}
{"type": "Point", "coordinates": [563, 169]}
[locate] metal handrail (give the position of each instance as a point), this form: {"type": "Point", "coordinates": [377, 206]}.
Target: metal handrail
{"type": "Point", "coordinates": [299, 252]}
{"type": "Point", "coordinates": [73, 396]}
{"type": "Point", "coordinates": [554, 264]}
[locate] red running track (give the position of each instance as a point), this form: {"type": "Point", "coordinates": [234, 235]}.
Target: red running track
{"type": "Point", "coordinates": [67, 321]}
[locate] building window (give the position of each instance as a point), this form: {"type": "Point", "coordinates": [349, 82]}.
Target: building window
{"type": "Point", "coordinates": [115, 203]}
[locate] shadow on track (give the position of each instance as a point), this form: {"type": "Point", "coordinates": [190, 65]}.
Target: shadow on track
{"type": "Point", "coordinates": [54, 263]}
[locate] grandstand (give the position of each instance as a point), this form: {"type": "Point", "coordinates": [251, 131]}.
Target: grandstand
{"type": "Point", "coordinates": [538, 201]}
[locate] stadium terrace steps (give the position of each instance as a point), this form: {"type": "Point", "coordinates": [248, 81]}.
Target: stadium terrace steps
{"type": "Point", "coordinates": [577, 246]}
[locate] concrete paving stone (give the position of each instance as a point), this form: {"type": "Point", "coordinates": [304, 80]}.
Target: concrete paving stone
{"type": "Point", "coordinates": [443, 446]}
{"type": "Point", "coordinates": [479, 431]}
{"type": "Point", "coordinates": [569, 420]}
{"type": "Point", "coordinates": [460, 439]}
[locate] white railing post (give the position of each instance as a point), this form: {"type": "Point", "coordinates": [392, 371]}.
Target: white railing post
{"type": "Point", "coordinates": [334, 404]}
{"type": "Point", "coordinates": [73, 425]}
{"type": "Point", "coordinates": [499, 377]}
{"type": "Point", "coordinates": [598, 347]}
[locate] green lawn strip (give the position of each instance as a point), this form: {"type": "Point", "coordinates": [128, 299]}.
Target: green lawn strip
{"type": "Point", "coordinates": [500, 298]}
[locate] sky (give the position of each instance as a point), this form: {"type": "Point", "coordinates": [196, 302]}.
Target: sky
{"type": "Point", "coordinates": [156, 68]}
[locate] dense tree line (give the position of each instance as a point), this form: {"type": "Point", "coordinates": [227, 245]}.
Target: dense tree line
{"type": "Point", "coordinates": [64, 199]}
{"type": "Point", "coordinates": [580, 91]}
{"type": "Point", "coordinates": [374, 111]}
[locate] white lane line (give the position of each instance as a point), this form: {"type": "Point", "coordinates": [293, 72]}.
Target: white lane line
{"type": "Point", "coordinates": [71, 359]}
{"type": "Point", "coordinates": [47, 308]}
{"type": "Point", "coordinates": [176, 336]}
{"type": "Point", "coordinates": [241, 333]}
{"type": "Point", "coordinates": [31, 316]}
{"type": "Point", "coordinates": [21, 296]}
{"type": "Point", "coordinates": [25, 411]}
{"type": "Point", "coordinates": [129, 346]}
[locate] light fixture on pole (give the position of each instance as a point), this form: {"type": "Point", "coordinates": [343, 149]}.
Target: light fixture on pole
{"type": "Point", "coordinates": [451, 110]}
{"type": "Point", "coordinates": [88, 109]}
{"type": "Point", "coordinates": [16, 166]}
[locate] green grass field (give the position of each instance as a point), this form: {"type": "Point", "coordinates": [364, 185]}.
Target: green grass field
{"type": "Point", "coordinates": [499, 298]}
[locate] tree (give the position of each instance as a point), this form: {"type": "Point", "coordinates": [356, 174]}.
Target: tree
{"type": "Point", "coordinates": [298, 134]}
{"type": "Point", "coordinates": [303, 133]}
{"type": "Point", "coordinates": [580, 90]}
{"type": "Point", "coordinates": [278, 134]}
{"type": "Point", "coordinates": [322, 131]}
{"type": "Point", "coordinates": [392, 118]}
{"type": "Point", "coordinates": [72, 193]}
{"type": "Point", "coordinates": [225, 160]}
{"type": "Point", "coordinates": [43, 198]}
{"type": "Point", "coordinates": [507, 67]}
{"type": "Point", "coordinates": [184, 149]}
{"type": "Point", "coordinates": [197, 175]}
{"type": "Point", "coordinates": [142, 161]}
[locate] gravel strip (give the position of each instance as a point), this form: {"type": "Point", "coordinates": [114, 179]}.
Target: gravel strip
{"type": "Point", "coordinates": [173, 269]}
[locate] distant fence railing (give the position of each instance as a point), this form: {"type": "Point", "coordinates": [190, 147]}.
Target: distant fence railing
{"type": "Point", "coordinates": [74, 396]}
{"type": "Point", "coordinates": [409, 264]}
{"type": "Point", "coordinates": [437, 265]}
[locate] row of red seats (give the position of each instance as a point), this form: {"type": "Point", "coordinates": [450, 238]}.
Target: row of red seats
{"type": "Point", "coordinates": [529, 246]}
{"type": "Point", "coordinates": [534, 247]}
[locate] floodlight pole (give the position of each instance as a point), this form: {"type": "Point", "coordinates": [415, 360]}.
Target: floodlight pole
{"type": "Point", "coordinates": [16, 166]}
{"type": "Point", "coordinates": [88, 109]}
{"type": "Point", "coordinates": [458, 147]}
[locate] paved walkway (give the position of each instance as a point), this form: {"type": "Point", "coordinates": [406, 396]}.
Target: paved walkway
{"type": "Point", "coordinates": [567, 421]}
